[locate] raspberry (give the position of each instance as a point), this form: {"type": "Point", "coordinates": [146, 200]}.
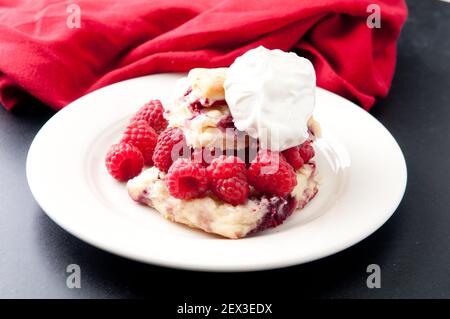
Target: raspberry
{"type": "Point", "coordinates": [270, 173]}
{"type": "Point", "coordinates": [152, 113]}
{"type": "Point", "coordinates": [306, 151]}
{"type": "Point", "coordinates": [226, 167]}
{"type": "Point", "coordinates": [141, 135]}
{"type": "Point", "coordinates": [293, 157]}
{"type": "Point", "coordinates": [170, 141]}
{"type": "Point", "coordinates": [186, 179]}
{"type": "Point", "coordinates": [232, 190]}
{"type": "Point", "coordinates": [228, 179]}
{"type": "Point", "coordinates": [124, 161]}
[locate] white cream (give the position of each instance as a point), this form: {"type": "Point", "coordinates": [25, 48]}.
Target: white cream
{"type": "Point", "coordinates": [271, 96]}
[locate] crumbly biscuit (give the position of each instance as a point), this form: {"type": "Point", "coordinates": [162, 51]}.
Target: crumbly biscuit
{"type": "Point", "coordinates": [208, 83]}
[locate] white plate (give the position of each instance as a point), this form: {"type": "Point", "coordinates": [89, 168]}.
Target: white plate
{"type": "Point", "coordinates": [363, 180]}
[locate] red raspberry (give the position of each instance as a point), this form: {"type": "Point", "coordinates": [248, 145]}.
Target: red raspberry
{"type": "Point", "coordinates": [186, 179]}
{"type": "Point", "coordinates": [141, 135]}
{"type": "Point", "coordinates": [152, 113]}
{"type": "Point", "coordinates": [228, 179]}
{"type": "Point", "coordinates": [124, 161]}
{"type": "Point", "coordinates": [232, 190]}
{"type": "Point", "coordinates": [270, 173]}
{"type": "Point", "coordinates": [306, 151]}
{"type": "Point", "coordinates": [293, 157]}
{"type": "Point", "coordinates": [170, 141]}
{"type": "Point", "coordinates": [226, 167]}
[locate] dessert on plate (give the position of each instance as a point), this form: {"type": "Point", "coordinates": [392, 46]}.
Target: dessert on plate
{"type": "Point", "coordinates": [233, 154]}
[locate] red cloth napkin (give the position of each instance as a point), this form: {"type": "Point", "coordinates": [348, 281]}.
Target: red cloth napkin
{"type": "Point", "coordinates": [41, 57]}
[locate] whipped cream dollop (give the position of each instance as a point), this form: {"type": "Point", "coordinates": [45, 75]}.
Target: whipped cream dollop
{"type": "Point", "coordinates": [271, 96]}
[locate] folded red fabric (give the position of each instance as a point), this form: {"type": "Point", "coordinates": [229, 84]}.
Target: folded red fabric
{"type": "Point", "coordinates": [47, 53]}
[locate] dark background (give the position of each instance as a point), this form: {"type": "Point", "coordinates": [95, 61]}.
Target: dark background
{"type": "Point", "coordinates": [412, 248]}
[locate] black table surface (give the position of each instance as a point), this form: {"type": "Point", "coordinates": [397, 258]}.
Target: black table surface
{"type": "Point", "coordinates": [412, 248]}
